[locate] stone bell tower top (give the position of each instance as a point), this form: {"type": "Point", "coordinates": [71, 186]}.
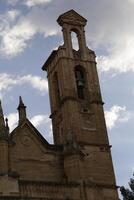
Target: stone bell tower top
{"type": "Point", "coordinates": [70, 22]}
{"type": "Point", "coordinates": [71, 17]}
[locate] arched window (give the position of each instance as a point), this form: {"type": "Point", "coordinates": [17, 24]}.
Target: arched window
{"type": "Point", "coordinates": [56, 88]}
{"type": "Point", "coordinates": [80, 81]}
{"type": "Point", "coordinates": [75, 43]}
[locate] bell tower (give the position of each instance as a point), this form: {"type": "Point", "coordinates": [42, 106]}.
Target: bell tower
{"type": "Point", "coordinates": [76, 103]}
{"type": "Point", "coordinates": [77, 111]}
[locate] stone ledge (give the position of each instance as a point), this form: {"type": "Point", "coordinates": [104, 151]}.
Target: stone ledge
{"type": "Point", "coordinates": [8, 186]}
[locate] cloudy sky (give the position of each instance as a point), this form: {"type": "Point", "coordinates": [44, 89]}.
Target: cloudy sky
{"type": "Point", "coordinates": [28, 34]}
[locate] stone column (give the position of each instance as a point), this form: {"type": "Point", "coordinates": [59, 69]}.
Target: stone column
{"type": "Point", "coordinates": [67, 40]}
{"type": "Point", "coordinates": [82, 43]}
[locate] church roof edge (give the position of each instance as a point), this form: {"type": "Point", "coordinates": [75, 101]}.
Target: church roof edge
{"type": "Point", "coordinates": [51, 57]}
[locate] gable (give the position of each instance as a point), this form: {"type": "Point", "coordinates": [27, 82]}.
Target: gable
{"type": "Point", "coordinates": [31, 156]}
{"type": "Point", "coordinates": [27, 142]}
{"type": "Point", "coordinates": [28, 133]}
{"type": "Point", "coordinates": [27, 138]}
{"type": "Point", "coordinates": [71, 17]}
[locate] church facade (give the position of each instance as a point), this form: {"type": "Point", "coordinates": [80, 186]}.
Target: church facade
{"type": "Point", "coordinates": [78, 166]}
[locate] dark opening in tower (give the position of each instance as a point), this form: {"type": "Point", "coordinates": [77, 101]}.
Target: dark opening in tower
{"type": "Point", "coordinates": [80, 81]}
{"type": "Point", "coordinates": [56, 89]}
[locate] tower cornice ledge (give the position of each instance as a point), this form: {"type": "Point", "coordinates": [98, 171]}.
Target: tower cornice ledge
{"type": "Point", "coordinates": [60, 53]}
{"type": "Point", "coordinates": [71, 17]}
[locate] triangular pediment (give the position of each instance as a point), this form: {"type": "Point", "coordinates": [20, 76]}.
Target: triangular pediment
{"type": "Point", "coordinates": [27, 127]}
{"type": "Point", "coordinates": [71, 17]}
{"type": "Point", "coordinates": [32, 157]}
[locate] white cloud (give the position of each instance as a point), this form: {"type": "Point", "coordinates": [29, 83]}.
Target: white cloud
{"type": "Point", "coordinates": [12, 120]}
{"type": "Point", "coordinates": [15, 36]}
{"type": "Point", "coordinates": [38, 120]}
{"type": "Point", "coordinates": [13, 2]}
{"type": "Point", "coordinates": [7, 82]}
{"type": "Point", "coordinates": [36, 82]}
{"type": "Point", "coordinates": [43, 121]}
{"type": "Point", "coordinates": [13, 14]}
{"type": "Point", "coordinates": [14, 39]}
{"type": "Point", "coordinates": [11, 35]}
{"type": "Point", "coordinates": [120, 57]}
{"type": "Point", "coordinates": [8, 19]}
{"type": "Point", "coordinates": [115, 115]}
{"type": "Point", "coordinates": [111, 33]}
{"type": "Point", "coordinates": [31, 3]}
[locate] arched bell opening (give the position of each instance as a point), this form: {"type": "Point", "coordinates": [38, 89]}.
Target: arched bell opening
{"type": "Point", "coordinates": [75, 39]}
{"type": "Point", "coordinates": [80, 81]}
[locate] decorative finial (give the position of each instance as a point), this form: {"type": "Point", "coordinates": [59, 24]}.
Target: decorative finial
{"type": "Point", "coordinates": [6, 120]}
{"type": "Point", "coordinates": [22, 111]}
{"type": "Point", "coordinates": [7, 127]}
{"type": "Point", "coordinates": [21, 104]}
